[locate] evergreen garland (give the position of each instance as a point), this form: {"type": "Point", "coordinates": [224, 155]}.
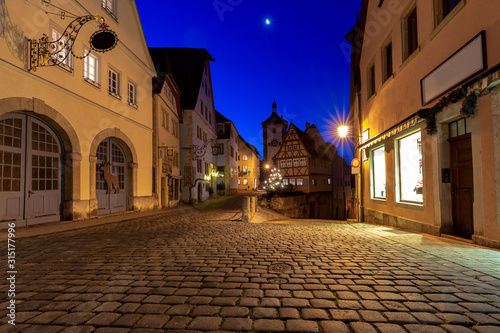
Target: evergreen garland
{"type": "Point", "coordinates": [467, 109]}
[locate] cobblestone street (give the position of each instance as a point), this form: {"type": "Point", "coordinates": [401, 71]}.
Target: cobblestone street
{"type": "Point", "coordinates": [202, 269]}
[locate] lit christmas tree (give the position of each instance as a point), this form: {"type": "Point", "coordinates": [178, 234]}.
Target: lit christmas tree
{"type": "Point", "coordinates": [274, 183]}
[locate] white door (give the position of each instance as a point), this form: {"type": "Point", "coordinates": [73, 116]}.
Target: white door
{"type": "Point", "coordinates": [30, 178]}
{"type": "Point", "coordinates": [114, 200]}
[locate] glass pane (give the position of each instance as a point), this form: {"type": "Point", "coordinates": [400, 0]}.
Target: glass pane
{"type": "Point", "coordinates": [378, 175]}
{"type": "Point", "coordinates": [453, 129]}
{"type": "Point", "coordinates": [410, 168]}
{"type": "Point", "coordinates": [461, 126]}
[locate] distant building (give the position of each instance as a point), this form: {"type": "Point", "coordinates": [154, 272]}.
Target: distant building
{"type": "Point", "coordinates": [77, 136]}
{"type": "Point", "coordinates": [305, 160]}
{"type": "Point", "coordinates": [274, 130]}
{"type": "Point", "coordinates": [425, 94]}
{"type": "Point", "coordinates": [248, 166]}
{"type": "Point", "coordinates": [227, 155]}
{"type": "Point", "coordinates": [191, 71]}
{"type": "Point", "coordinates": [166, 146]}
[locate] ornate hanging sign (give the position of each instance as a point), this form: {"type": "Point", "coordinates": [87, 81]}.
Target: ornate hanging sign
{"type": "Point", "coordinates": [43, 52]}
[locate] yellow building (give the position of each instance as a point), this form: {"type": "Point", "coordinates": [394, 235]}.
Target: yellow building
{"type": "Point", "coordinates": [166, 146]}
{"type": "Point", "coordinates": [425, 100]}
{"type": "Point", "coordinates": [77, 132]}
{"type": "Point", "coordinates": [248, 166]}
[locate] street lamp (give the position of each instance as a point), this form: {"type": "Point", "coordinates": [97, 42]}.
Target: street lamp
{"type": "Point", "coordinates": [343, 132]}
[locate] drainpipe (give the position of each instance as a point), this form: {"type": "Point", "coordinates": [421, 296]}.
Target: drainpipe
{"type": "Point", "coordinates": [361, 215]}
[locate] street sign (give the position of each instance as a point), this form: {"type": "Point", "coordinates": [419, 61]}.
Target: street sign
{"type": "Point", "coordinates": [355, 163]}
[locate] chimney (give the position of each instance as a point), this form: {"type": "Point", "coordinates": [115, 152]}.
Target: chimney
{"type": "Point", "coordinates": [307, 125]}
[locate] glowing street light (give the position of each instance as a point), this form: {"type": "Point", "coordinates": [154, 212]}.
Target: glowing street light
{"type": "Point", "coordinates": [343, 131]}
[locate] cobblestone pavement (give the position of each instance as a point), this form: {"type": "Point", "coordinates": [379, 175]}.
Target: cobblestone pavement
{"type": "Point", "coordinates": [202, 269]}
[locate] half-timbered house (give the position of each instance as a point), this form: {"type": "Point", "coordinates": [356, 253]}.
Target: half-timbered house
{"type": "Point", "coordinates": [305, 160]}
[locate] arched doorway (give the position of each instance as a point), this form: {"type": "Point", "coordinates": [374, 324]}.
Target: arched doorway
{"type": "Point", "coordinates": [31, 170]}
{"type": "Point", "coordinates": [111, 180]}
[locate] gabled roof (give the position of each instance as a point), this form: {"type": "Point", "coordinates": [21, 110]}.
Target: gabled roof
{"type": "Point", "coordinates": [252, 148]}
{"type": "Point", "coordinates": [219, 118]}
{"type": "Point", "coordinates": [162, 67]}
{"type": "Point", "coordinates": [187, 66]}
{"type": "Point", "coordinates": [275, 119]}
{"type": "Point", "coordinates": [321, 149]}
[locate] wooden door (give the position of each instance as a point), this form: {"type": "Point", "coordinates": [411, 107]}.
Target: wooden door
{"type": "Point", "coordinates": [462, 183]}
{"type": "Point", "coordinates": [43, 181]}
{"type": "Point", "coordinates": [110, 151]}
{"type": "Point", "coordinates": [31, 171]}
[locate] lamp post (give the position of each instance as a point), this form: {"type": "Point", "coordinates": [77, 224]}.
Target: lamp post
{"type": "Point", "coordinates": [343, 133]}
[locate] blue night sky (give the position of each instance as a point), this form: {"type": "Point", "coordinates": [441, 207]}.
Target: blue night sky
{"type": "Point", "coordinates": [300, 58]}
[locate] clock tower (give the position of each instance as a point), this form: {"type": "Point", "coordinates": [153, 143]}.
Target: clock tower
{"type": "Point", "coordinates": [274, 130]}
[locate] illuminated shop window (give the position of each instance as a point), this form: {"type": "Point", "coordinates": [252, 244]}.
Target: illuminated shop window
{"type": "Point", "coordinates": [378, 173]}
{"type": "Point", "coordinates": [409, 167]}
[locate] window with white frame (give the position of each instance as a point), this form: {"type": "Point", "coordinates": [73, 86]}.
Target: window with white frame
{"type": "Point", "coordinates": [91, 68]}
{"type": "Point", "coordinates": [131, 94]}
{"type": "Point", "coordinates": [282, 164]}
{"type": "Point", "coordinates": [63, 53]}
{"type": "Point", "coordinates": [175, 128]}
{"type": "Point", "coordinates": [110, 7]}
{"type": "Point", "coordinates": [410, 182]}
{"type": "Point", "coordinates": [113, 82]}
{"type": "Point", "coordinates": [289, 163]}
{"type": "Point", "coordinates": [285, 181]}
{"type": "Point", "coordinates": [164, 118]}
{"type": "Point", "coordinates": [292, 182]}
{"type": "Point", "coordinates": [302, 161]}
{"type": "Point", "coordinates": [245, 158]}
{"type": "Point", "coordinates": [378, 173]}
{"type": "Point", "coordinates": [300, 181]}
{"type": "Point", "coordinates": [295, 162]}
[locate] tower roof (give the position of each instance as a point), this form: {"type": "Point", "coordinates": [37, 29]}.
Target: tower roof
{"type": "Point", "coordinates": [275, 119]}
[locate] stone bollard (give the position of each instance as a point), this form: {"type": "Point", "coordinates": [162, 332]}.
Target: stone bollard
{"type": "Point", "coordinates": [246, 210]}
{"type": "Point", "coordinates": [249, 208]}
{"type": "Point", "coordinates": [253, 205]}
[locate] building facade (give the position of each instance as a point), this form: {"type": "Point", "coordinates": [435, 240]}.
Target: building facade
{"type": "Point", "coordinates": [227, 155]}
{"type": "Point", "coordinates": [76, 136]}
{"type": "Point", "coordinates": [248, 166]}
{"type": "Point", "coordinates": [425, 100]}
{"type": "Point", "coordinates": [274, 129]}
{"type": "Point", "coordinates": [305, 160]}
{"type": "Point", "coordinates": [191, 71]}
{"type": "Point", "coordinates": [166, 145]}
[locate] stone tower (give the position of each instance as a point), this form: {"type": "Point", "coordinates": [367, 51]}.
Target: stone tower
{"type": "Point", "coordinates": [274, 130]}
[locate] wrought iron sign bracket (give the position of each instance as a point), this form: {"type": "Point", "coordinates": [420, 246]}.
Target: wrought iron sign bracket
{"type": "Point", "coordinates": [43, 52]}
{"type": "Point", "coordinates": [200, 151]}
